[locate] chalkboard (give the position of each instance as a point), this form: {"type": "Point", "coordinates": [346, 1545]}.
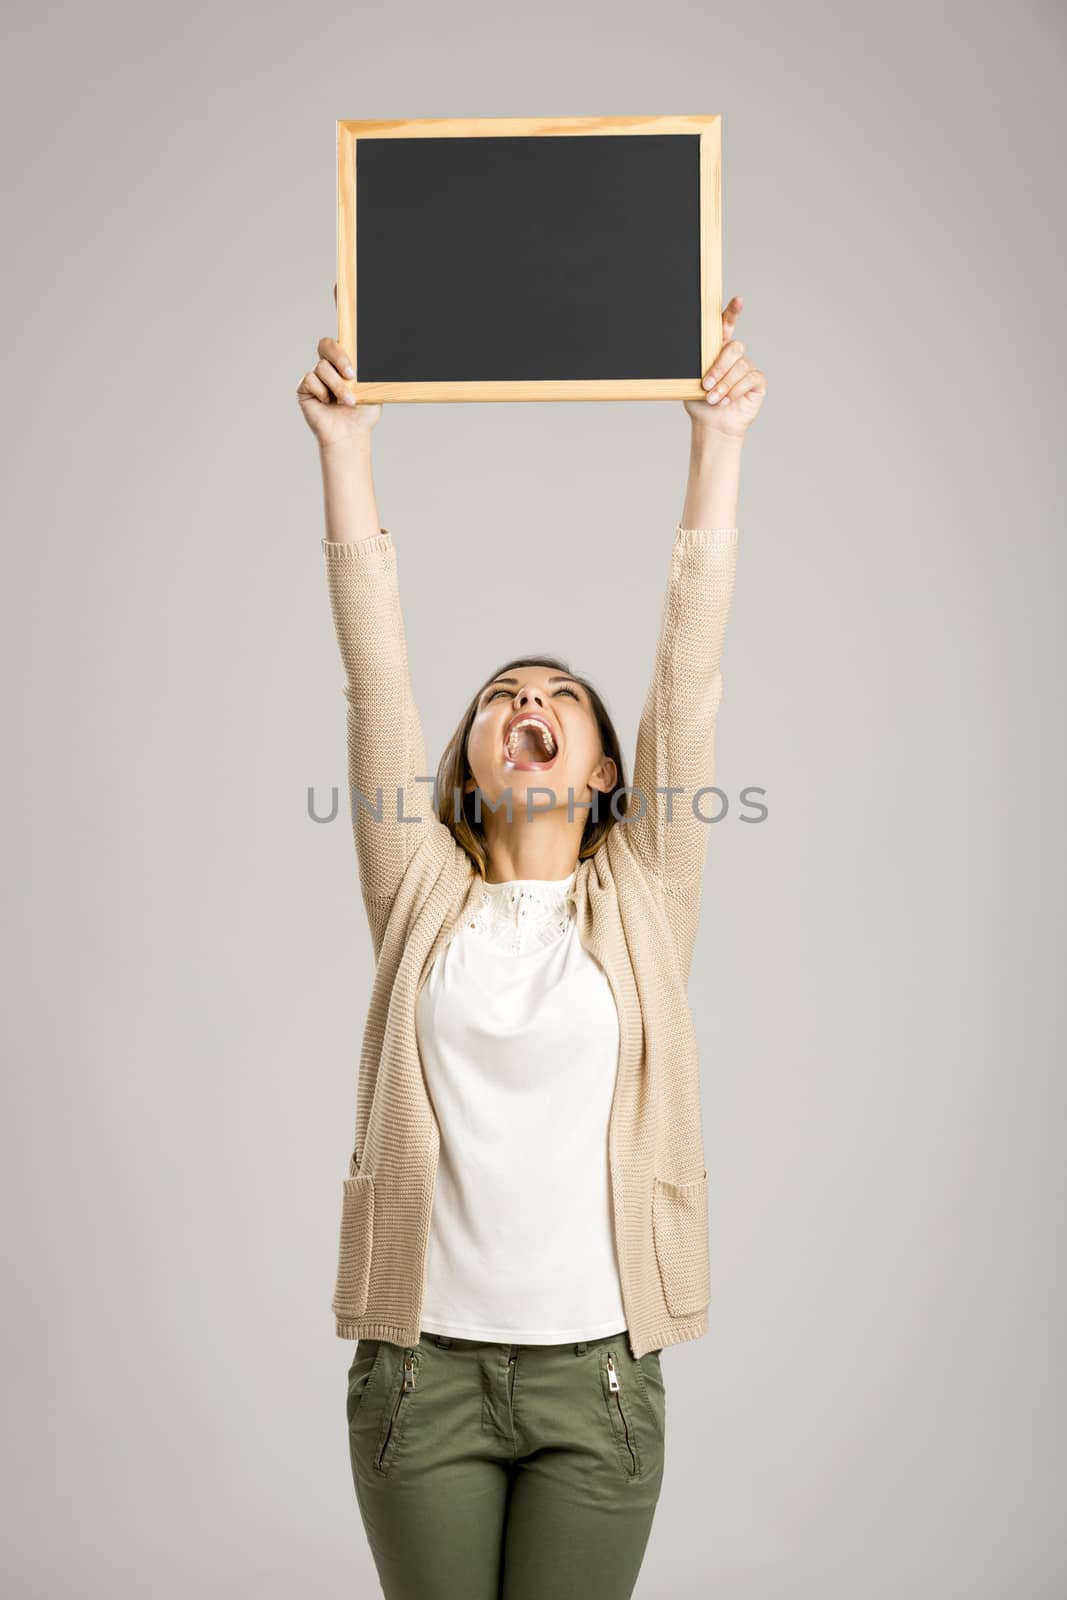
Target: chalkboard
{"type": "Point", "coordinates": [510, 258]}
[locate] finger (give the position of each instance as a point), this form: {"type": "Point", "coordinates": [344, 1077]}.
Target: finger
{"type": "Point", "coordinates": [313, 386]}
{"type": "Point", "coordinates": [727, 356]}
{"type": "Point", "coordinates": [338, 355]}
{"type": "Point", "coordinates": [335, 383]}
{"type": "Point", "coordinates": [730, 315]}
{"type": "Point", "coordinates": [752, 382]}
{"type": "Point", "coordinates": [723, 387]}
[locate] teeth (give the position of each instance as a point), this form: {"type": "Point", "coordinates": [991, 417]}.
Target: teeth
{"type": "Point", "coordinates": [532, 722]}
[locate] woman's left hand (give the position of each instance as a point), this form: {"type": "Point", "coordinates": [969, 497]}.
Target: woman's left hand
{"type": "Point", "coordinates": [734, 388]}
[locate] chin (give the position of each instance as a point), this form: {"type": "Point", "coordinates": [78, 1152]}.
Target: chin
{"type": "Point", "coordinates": [521, 782]}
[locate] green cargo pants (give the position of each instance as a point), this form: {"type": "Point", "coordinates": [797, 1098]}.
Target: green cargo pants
{"type": "Point", "coordinates": [506, 1471]}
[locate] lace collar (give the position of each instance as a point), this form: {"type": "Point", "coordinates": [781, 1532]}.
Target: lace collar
{"type": "Point", "coordinates": [523, 914]}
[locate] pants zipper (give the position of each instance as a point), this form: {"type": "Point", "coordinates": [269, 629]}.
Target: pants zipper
{"type": "Point", "coordinates": [405, 1388]}
{"type": "Point", "coordinates": [615, 1387]}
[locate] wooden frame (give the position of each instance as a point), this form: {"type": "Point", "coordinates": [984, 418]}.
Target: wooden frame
{"type": "Point", "coordinates": [709, 130]}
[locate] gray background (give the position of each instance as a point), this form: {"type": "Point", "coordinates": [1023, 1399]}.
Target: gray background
{"type": "Point", "coordinates": [877, 1409]}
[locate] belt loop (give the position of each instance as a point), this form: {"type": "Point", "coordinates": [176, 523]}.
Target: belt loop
{"type": "Point", "coordinates": [580, 1348]}
{"type": "Point", "coordinates": [442, 1339]}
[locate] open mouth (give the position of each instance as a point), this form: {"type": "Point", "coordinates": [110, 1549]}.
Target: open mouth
{"type": "Point", "coordinates": [530, 745]}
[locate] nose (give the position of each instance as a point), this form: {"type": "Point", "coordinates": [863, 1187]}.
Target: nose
{"type": "Point", "coordinates": [524, 697]}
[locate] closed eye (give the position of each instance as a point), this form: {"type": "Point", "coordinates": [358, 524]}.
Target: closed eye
{"type": "Point", "coordinates": [573, 694]}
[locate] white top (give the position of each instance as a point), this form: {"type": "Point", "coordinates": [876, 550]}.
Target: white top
{"type": "Point", "coordinates": [519, 1038]}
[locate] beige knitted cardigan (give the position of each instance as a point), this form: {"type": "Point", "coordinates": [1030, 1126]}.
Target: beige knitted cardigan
{"type": "Point", "coordinates": [637, 901]}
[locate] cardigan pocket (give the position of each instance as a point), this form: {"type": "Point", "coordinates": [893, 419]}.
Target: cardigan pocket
{"type": "Point", "coordinates": [357, 1235]}
{"type": "Point", "coordinates": [680, 1233]}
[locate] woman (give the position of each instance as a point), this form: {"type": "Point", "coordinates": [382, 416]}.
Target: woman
{"type": "Point", "coordinates": [524, 1219]}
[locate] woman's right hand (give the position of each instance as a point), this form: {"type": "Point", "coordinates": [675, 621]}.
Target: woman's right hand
{"type": "Point", "coordinates": [331, 410]}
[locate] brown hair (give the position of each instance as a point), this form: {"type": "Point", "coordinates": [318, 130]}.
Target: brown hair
{"type": "Point", "coordinates": [453, 771]}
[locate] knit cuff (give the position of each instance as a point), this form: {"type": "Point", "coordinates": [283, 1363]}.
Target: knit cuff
{"type": "Point", "coordinates": [704, 536]}
{"type": "Point", "coordinates": [375, 545]}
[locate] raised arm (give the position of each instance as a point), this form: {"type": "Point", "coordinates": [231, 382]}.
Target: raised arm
{"type": "Point", "coordinates": [674, 758]}
{"type": "Point", "coordinates": [675, 754]}
{"type": "Point", "coordinates": [386, 754]}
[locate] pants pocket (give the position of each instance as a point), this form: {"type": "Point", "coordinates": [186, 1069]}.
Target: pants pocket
{"type": "Point", "coordinates": [616, 1388]}
{"type": "Point", "coordinates": [650, 1376]}
{"type": "Point", "coordinates": [399, 1401]}
{"type": "Point", "coordinates": [365, 1365]}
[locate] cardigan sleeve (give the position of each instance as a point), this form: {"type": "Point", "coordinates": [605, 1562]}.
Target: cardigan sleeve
{"type": "Point", "coordinates": [676, 734]}
{"type": "Point", "coordinates": [386, 754]}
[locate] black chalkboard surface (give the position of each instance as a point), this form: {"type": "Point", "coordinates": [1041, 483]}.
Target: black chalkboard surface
{"type": "Point", "coordinates": [529, 259]}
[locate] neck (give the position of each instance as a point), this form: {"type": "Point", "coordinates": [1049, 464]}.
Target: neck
{"type": "Point", "coordinates": [544, 846]}
{"type": "Point", "coordinates": [535, 861]}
